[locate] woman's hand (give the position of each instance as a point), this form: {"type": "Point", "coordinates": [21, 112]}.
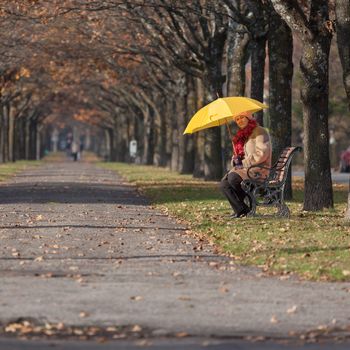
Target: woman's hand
{"type": "Point", "coordinates": [236, 161]}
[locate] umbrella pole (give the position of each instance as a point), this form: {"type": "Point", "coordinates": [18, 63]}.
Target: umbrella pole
{"type": "Point", "coordinates": [231, 136]}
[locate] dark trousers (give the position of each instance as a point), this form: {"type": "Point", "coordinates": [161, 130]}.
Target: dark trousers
{"type": "Point", "coordinates": [231, 187]}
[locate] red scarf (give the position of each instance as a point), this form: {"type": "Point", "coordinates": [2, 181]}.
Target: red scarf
{"type": "Point", "coordinates": [242, 136]}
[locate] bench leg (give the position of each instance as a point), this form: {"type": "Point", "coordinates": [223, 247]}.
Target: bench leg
{"type": "Point", "coordinates": [283, 210]}
{"type": "Point", "coordinates": [252, 201]}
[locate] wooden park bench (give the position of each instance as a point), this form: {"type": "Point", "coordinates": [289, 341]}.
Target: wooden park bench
{"type": "Point", "coordinates": [269, 191]}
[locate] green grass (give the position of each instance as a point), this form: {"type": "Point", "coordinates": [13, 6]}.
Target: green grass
{"type": "Point", "coordinates": [11, 168]}
{"type": "Point", "coordinates": [315, 245]}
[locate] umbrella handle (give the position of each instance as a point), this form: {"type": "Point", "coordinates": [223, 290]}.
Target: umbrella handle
{"type": "Point", "coordinates": [231, 136]}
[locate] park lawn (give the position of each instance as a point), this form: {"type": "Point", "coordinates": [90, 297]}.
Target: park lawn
{"type": "Point", "coordinates": [11, 168]}
{"type": "Point", "coordinates": [315, 245]}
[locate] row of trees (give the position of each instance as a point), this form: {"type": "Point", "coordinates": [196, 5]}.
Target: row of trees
{"type": "Point", "coordinates": [139, 70]}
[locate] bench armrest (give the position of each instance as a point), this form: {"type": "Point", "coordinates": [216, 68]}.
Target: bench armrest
{"type": "Point", "coordinates": [254, 175]}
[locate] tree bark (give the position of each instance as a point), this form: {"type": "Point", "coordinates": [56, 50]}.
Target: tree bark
{"type": "Point", "coordinates": [32, 139]}
{"type": "Point", "coordinates": [237, 57]}
{"type": "Point", "coordinates": [1, 133]}
{"type": "Point", "coordinates": [258, 55]}
{"type": "Point", "coordinates": [11, 135]}
{"type": "Point", "coordinates": [148, 143]}
{"type": "Point", "coordinates": [160, 157]}
{"type": "Point", "coordinates": [38, 142]}
{"type": "Point", "coordinates": [315, 93]}
{"type": "Point", "coordinates": [27, 139]}
{"type": "Point", "coordinates": [198, 170]}
{"type": "Point", "coordinates": [213, 84]}
{"type": "Point", "coordinates": [163, 157]}
{"type": "Point", "coordinates": [280, 44]}
{"type": "Point", "coordinates": [174, 148]}
{"type": "Point", "coordinates": [5, 131]}
{"type": "Point", "coordinates": [186, 161]}
{"type": "Point", "coordinates": [342, 11]}
{"type": "Point", "coordinates": [314, 32]}
{"type": "Point", "coordinates": [109, 145]}
{"type": "Point", "coordinates": [343, 39]}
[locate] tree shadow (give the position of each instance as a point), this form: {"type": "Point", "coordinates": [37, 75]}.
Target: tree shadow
{"type": "Point", "coordinates": [70, 192]}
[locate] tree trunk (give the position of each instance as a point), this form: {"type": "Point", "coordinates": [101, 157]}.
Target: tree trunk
{"type": "Point", "coordinates": [237, 57]}
{"type": "Point", "coordinates": [314, 66]}
{"type": "Point", "coordinates": [5, 155]}
{"type": "Point", "coordinates": [258, 55]}
{"type": "Point", "coordinates": [343, 35]}
{"type": "Point", "coordinates": [32, 139]}
{"type": "Point", "coordinates": [11, 135]}
{"type": "Point", "coordinates": [37, 142]}
{"type": "Point", "coordinates": [316, 35]}
{"type": "Point", "coordinates": [160, 136]}
{"type": "Point", "coordinates": [280, 43]}
{"type": "Point", "coordinates": [343, 39]}
{"type": "Point", "coordinates": [186, 160]}
{"type": "Point", "coordinates": [198, 170]}
{"type": "Point", "coordinates": [108, 155]}
{"type": "Point", "coordinates": [1, 133]}
{"type": "Point", "coordinates": [174, 148]}
{"type": "Point", "coordinates": [27, 138]}
{"type": "Point", "coordinates": [213, 84]}
{"type": "Point", "coordinates": [163, 140]}
{"type": "Point", "coordinates": [148, 143]}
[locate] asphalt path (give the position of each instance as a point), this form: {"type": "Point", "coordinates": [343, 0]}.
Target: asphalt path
{"type": "Point", "coordinates": [81, 248]}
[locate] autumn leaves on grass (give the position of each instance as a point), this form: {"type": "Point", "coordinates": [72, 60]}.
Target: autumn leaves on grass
{"type": "Point", "coordinates": [315, 246]}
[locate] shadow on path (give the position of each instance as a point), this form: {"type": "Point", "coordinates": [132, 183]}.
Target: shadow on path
{"type": "Point", "coordinates": [69, 192]}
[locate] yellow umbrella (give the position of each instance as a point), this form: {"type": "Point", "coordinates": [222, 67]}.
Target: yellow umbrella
{"type": "Point", "coordinates": [221, 111]}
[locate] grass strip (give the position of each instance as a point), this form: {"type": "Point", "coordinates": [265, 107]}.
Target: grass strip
{"type": "Point", "coordinates": [315, 245]}
{"type": "Point", "coordinates": [11, 168]}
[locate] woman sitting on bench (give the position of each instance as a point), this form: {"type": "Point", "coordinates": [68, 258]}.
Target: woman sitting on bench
{"type": "Point", "coordinates": [252, 146]}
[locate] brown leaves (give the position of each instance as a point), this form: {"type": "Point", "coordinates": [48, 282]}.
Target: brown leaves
{"type": "Point", "coordinates": [136, 298]}
{"type": "Point", "coordinates": [274, 319]}
{"type": "Point", "coordinates": [29, 328]}
{"type": "Point", "coordinates": [292, 310]}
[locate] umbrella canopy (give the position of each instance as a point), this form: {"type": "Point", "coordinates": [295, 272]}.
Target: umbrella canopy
{"type": "Point", "coordinates": [221, 111]}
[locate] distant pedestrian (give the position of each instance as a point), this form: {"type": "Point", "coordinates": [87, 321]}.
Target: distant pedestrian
{"type": "Point", "coordinates": [75, 150]}
{"type": "Point", "coordinates": [345, 161]}
{"type": "Point", "coordinates": [81, 149]}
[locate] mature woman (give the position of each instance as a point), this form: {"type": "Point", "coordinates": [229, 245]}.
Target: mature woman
{"type": "Point", "coordinates": [252, 147]}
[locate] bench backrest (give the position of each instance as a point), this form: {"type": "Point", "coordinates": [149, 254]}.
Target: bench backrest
{"type": "Point", "coordinates": [280, 169]}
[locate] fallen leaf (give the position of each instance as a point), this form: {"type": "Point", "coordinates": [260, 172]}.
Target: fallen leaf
{"type": "Point", "coordinates": [181, 334]}
{"type": "Point", "coordinates": [176, 274]}
{"type": "Point", "coordinates": [292, 309]}
{"type": "Point", "coordinates": [136, 328]}
{"type": "Point", "coordinates": [273, 319]}
{"type": "Point", "coordinates": [224, 290]}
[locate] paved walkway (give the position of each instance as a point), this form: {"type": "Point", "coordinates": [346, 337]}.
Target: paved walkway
{"type": "Point", "coordinates": [79, 246]}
